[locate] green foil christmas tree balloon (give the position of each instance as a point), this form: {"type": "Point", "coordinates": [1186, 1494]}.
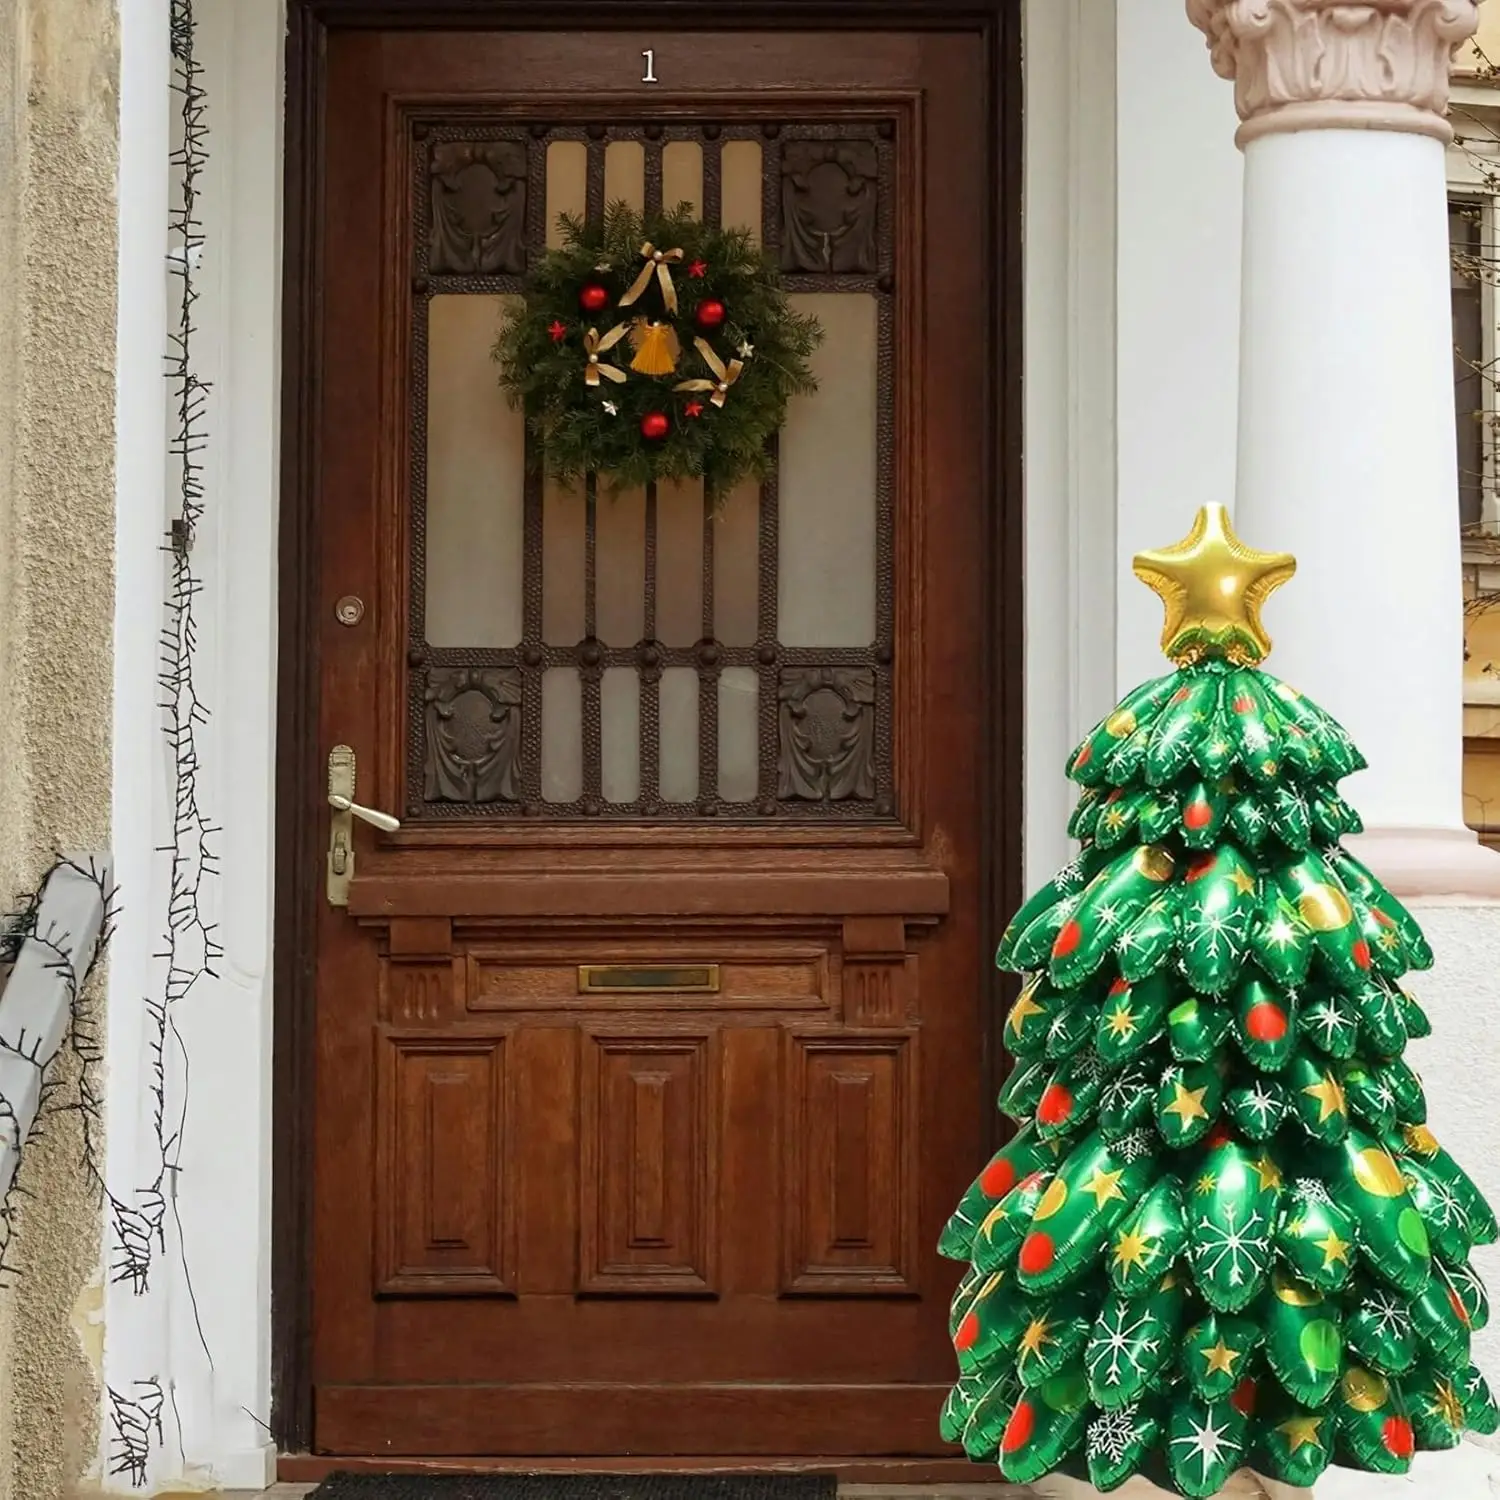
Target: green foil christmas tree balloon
{"type": "Point", "coordinates": [1224, 1235]}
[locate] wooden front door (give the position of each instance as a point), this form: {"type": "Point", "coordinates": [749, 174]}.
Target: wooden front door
{"type": "Point", "coordinates": [648, 1052]}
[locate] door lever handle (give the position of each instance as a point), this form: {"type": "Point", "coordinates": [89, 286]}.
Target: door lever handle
{"type": "Point", "coordinates": [341, 824]}
{"type": "Point", "coordinates": [376, 819]}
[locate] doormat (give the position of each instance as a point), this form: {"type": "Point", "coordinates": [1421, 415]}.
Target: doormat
{"type": "Point", "coordinates": [576, 1487]}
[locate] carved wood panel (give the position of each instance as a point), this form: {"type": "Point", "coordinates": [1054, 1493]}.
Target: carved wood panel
{"type": "Point", "coordinates": [879, 975]}
{"type": "Point", "coordinates": [473, 745]}
{"type": "Point", "coordinates": [648, 1174]}
{"type": "Point", "coordinates": [830, 206]}
{"type": "Point", "coordinates": [444, 1207]}
{"type": "Point", "coordinates": [478, 208]}
{"type": "Point", "coordinates": [850, 1159]}
{"type": "Point", "coordinates": [827, 728]}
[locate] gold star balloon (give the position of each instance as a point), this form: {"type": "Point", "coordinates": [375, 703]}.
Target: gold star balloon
{"type": "Point", "coordinates": [1213, 586]}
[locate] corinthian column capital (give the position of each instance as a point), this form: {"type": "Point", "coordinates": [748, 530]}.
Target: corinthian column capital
{"type": "Point", "coordinates": [1336, 65]}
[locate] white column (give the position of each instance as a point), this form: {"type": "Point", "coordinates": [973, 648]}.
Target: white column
{"type": "Point", "coordinates": [1346, 438]}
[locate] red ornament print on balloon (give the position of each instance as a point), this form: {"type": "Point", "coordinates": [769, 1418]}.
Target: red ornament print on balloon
{"type": "Point", "coordinates": [1055, 1106]}
{"type": "Point", "coordinates": [1037, 1252]}
{"type": "Point", "coordinates": [593, 298]}
{"type": "Point", "coordinates": [1398, 1437]}
{"type": "Point", "coordinates": [1198, 814]}
{"type": "Point", "coordinates": [1070, 936]}
{"type": "Point", "coordinates": [1020, 1427]}
{"type": "Point", "coordinates": [1266, 1022]}
{"type": "Point", "coordinates": [967, 1334]}
{"type": "Point", "coordinates": [654, 426]}
{"type": "Point", "coordinates": [998, 1178]}
{"type": "Point", "coordinates": [710, 314]}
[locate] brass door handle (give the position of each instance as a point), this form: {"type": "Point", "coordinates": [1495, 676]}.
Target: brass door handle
{"type": "Point", "coordinates": [370, 815]}
{"type": "Point", "coordinates": [341, 824]}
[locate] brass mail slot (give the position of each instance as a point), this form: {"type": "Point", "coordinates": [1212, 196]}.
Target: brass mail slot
{"type": "Point", "coordinates": [648, 979]}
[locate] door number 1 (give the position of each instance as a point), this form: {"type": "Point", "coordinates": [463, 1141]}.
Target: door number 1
{"type": "Point", "coordinates": [649, 56]}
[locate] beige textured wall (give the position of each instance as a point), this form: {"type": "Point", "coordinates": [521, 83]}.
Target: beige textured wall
{"type": "Point", "coordinates": [1484, 53]}
{"type": "Point", "coordinates": [58, 154]}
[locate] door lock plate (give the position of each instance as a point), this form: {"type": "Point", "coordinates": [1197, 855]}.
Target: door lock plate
{"type": "Point", "coordinates": [340, 825]}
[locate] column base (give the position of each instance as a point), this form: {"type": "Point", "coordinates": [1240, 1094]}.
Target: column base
{"type": "Point", "coordinates": [1448, 864]}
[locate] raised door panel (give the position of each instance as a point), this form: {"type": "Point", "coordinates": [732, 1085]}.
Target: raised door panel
{"type": "Point", "coordinates": [648, 1175]}
{"type": "Point", "coordinates": [850, 1144]}
{"type": "Point", "coordinates": [444, 1214]}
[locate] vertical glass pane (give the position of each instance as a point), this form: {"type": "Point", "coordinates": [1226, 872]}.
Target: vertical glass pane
{"type": "Point", "coordinates": [740, 206]}
{"type": "Point", "coordinates": [737, 566]}
{"type": "Point", "coordinates": [620, 567]}
{"type": "Point", "coordinates": [679, 734]}
{"type": "Point", "coordinates": [563, 564]}
{"type": "Point", "coordinates": [679, 562]}
{"type": "Point", "coordinates": [625, 173]}
{"type": "Point", "coordinates": [567, 185]}
{"type": "Point", "coordinates": [562, 735]}
{"type": "Point", "coordinates": [739, 734]}
{"type": "Point", "coordinates": [1466, 279]}
{"type": "Point", "coordinates": [826, 562]}
{"type": "Point", "coordinates": [682, 175]}
{"type": "Point", "coordinates": [620, 734]}
{"type": "Point", "coordinates": [475, 480]}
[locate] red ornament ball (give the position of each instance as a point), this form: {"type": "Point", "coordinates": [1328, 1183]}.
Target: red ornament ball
{"type": "Point", "coordinates": [593, 298]}
{"type": "Point", "coordinates": [710, 314]}
{"type": "Point", "coordinates": [654, 426]}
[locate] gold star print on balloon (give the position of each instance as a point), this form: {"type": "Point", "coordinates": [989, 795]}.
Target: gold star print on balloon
{"type": "Point", "coordinates": [1213, 587]}
{"type": "Point", "coordinates": [1301, 1430]}
{"type": "Point", "coordinates": [1132, 1249]}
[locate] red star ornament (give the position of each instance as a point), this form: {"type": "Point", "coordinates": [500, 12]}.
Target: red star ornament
{"type": "Point", "coordinates": [558, 330]}
{"type": "Point", "coordinates": [698, 268]}
{"type": "Point", "coordinates": [693, 409]}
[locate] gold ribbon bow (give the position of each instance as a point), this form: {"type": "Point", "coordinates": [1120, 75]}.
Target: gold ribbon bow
{"type": "Point", "coordinates": [726, 375]}
{"type": "Point", "coordinates": [594, 346]}
{"type": "Point", "coordinates": [657, 264]}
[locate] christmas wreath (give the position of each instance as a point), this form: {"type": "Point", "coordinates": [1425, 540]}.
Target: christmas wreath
{"type": "Point", "coordinates": [655, 348]}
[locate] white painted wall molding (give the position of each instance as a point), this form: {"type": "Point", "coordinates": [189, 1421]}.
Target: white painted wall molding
{"type": "Point", "coordinates": [1178, 289]}
{"type": "Point", "coordinates": [135, 1331]}
{"type": "Point", "coordinates": [202, 1332]}
{"type": "Point", "coordinates": [1069, 415]}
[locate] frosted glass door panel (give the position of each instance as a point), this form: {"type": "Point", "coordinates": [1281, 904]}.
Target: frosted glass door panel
{"type": "Point", "coordinates": [475, 481]}
{"type": "Point", "coordinates": [826, 588]}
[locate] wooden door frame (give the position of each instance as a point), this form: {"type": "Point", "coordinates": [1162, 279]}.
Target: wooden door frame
{"type": "Point", "coordinates": [299, 790]}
